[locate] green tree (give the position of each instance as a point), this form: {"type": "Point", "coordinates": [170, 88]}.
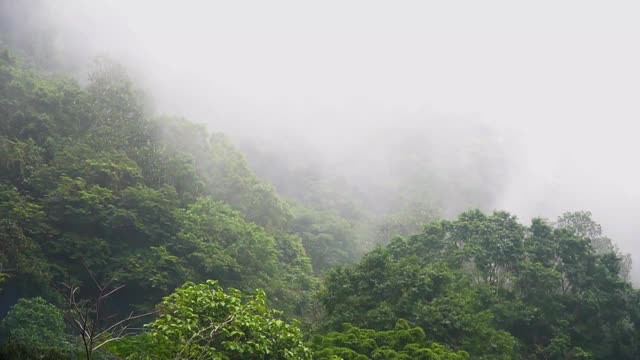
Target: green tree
{"type": "Point", "coordinates": [35, 324]}
{"type": "Point", "coordinates": [89, 177]}
{"type": "Point", "coordinates": [581, 224]}
{"type": "Point", "coordinates": [203, 321]}
{"type": "Point", "coordinates": [495, 288]}
{"type": "Point", "coordinates": [403, 342]}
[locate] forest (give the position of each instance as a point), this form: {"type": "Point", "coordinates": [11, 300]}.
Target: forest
{"type": "Point", "coordinates": [129, 234]}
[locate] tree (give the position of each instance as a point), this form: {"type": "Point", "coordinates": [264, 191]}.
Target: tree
{"type": "Point", "coordinates": [581, 224]}
{"type": "Point", "coordinates": [201, 321]}
{"type": "Point", "coordinates": [383, 288]}
{"type": "Point", "coordinates": [403, 342]}
{"type": "Point", "coordinates": [89, 176]}
{"type": "Point", "coordinates": [36, 324]}
{"type": "Point", "coordinates": [327, 238]}
{"type": "Point", "coordinates": [92, 321]}
{"type": "Point", "coordinates": [495, 288]}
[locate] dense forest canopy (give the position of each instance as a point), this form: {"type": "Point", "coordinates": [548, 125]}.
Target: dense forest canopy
{"type": "Point", "coordinates": [129, 234]}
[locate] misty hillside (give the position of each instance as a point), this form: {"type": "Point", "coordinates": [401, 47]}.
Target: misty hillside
{"type": "Point", "coordinates": [129, 232]}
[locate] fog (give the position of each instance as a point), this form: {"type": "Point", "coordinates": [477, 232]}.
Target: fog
{"type": "Point", "coordinates": [553, 85]}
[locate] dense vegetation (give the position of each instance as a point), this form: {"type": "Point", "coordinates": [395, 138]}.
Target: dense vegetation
{"type": "Point", "coordinates": [124, 234]}
{"type": "Point", "coordinates": [90, 181]}
{"type": "Point", "coordinates": [497, 289]}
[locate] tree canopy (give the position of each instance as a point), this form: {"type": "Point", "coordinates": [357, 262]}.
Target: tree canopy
{"type": "Point", "coordinates": [204, 322]}
{"type": "Point", "coordinates": [494, 288]}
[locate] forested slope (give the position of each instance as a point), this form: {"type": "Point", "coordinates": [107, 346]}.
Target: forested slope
{"type": "Point", "coordinates": [108, 209]}
{"type": "Point", "coordinates": [91, 181]}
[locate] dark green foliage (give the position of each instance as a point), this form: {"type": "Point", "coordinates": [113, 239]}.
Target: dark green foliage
{"type": "Point", "coordinates": [381, 289]}
{"type": "Point", "coordinates": [497, 289]}
{"type": "Point", "coordinates": [20, 256]}
{"type": "Point", "coordinates": [32, 326]}
{"type": "Point", "coordinates": [13, 351]}
{"type": "Point", "coordinates": [91, 179]}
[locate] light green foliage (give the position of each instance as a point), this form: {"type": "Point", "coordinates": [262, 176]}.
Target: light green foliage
{"type": "Point", "coordinates": [36, 324]}
{"type": "Point", "coordinates": [403, 342]}
{"type": "Point", "coordinates": [203, 321]}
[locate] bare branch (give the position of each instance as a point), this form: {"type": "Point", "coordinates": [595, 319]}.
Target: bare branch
{"type": "Point", "coordinates": [112, 291]}
{"type": "Point", "coordinates": [95, 281]}
{"type": "Point", "coordinates": [131, 317]}
{"type": "Point", "coordinates": [88, 316]}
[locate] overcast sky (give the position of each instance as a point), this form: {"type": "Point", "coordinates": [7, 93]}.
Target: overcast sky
{"type": "Point", "coordinates": [560, 77]}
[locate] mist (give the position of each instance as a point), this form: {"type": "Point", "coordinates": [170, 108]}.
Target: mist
{"type": "Point", "coordinates": [549, 89]}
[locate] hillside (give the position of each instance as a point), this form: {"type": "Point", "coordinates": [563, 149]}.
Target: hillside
{"type": "Point", "coordinates": [108, 208]}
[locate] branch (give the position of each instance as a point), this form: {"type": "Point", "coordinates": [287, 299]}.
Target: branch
{"type": "Point", "coordinates": [95, 281]}
{"type": "Point", "coordinates": [128, 318]}
{"type": "Point", "coordinates": [111, 292]}
{"type": "Point", "coordinates": [217, 329]}
{"type": "Point", "coordinates": [211, 334]}
{"type": "Point", "coordinates": [106, 342]}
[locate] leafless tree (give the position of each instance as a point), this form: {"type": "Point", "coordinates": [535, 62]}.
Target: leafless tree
{"type": "Point", "coordinates": [90, 318]}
